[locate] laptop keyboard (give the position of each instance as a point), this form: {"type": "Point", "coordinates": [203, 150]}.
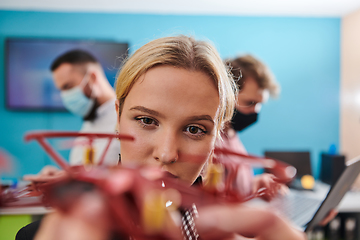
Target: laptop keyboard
{"type": "Point", "coordinates": [298, 208]}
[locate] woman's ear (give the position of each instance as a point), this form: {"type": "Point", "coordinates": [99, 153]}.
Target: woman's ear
{"type": "Point", "coordinates": [117, 105]}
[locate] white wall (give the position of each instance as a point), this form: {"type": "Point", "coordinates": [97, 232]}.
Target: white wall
{"type": "Point", "coordinates": [350, 86]}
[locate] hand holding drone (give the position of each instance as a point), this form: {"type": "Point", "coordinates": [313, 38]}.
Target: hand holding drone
{"type": "Point", "coordinates": [145, 203]}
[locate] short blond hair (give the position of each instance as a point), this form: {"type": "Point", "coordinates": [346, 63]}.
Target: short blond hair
{"type": "Point", "coordinates": [186, 53]}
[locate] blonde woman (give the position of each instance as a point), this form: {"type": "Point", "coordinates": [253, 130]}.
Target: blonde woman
{"type": "Point", "coordinates": [174, 96]}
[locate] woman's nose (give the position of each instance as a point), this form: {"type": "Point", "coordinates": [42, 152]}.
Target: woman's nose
{"type": "Point", "coordinates": [166, 148]}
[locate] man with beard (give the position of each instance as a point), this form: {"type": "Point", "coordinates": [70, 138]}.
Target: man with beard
{"type": "Point", "coordinates": [86, 92]}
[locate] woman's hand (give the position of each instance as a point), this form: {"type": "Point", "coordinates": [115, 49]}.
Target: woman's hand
{"type": "Point", "coordinates": [268, 186]}
{"type": "Point", "coordinates": [46, 174]}
{"type": "Point", "coordinates": [88, 219]}
{"type": "Point", "coordinates": [328, 218]}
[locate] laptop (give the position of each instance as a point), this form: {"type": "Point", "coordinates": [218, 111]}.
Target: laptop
{"type": "Point", "coordinates": [306, 211]}
{"type": "Point", "coordinates": [299, 159]}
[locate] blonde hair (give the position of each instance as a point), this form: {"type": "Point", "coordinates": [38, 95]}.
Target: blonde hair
{"type": "Point", "coordinates": [182, 52]}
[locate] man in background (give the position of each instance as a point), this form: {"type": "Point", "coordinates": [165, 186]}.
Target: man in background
{"type": "Point", "coordinates": [256, 83]}
{"type": "Point", "coordinates": [86, 92]}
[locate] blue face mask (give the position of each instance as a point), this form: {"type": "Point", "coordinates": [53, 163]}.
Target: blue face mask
{"type": "Point", "coordinates": [76, 102]}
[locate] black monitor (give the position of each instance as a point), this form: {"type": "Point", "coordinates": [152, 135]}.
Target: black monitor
{"type": "Point", "coordinates": [299, 159]}
{"type": "Point", "coordinates": [29, 84]}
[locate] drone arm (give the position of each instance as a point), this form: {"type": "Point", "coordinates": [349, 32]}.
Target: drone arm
{"type": "Point", "coordinates": [102, 158]}
{"type": "Point", "coordinates": [57, 157]}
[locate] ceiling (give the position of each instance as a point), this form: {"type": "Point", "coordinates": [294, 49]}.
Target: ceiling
{"type": "Point", "coordinates": [304, 8]}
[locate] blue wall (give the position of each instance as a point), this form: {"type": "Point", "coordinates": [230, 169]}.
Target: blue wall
{"type": "Point", "coordinates": [304, 54]}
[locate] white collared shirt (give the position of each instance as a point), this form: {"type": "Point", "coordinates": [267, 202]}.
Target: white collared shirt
{"type": "Point", "coordinates": [105, 122]}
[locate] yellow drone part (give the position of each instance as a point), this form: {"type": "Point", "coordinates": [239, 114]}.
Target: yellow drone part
{"type": "Point", "coordinates": [154, 212]}
{"type": "Point", "coordinates": [307, 181]}
{"type": "Point", "coordinates": [89, 156]}
{"type": "Point", "coordinates": [214, 176]}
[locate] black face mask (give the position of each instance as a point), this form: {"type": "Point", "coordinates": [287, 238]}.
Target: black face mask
{"type": "Point", "coordinates": [92, 114]}
{"type": "Point", "coordinates": [241, 121]}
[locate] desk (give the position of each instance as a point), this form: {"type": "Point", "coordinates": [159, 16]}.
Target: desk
{"type": "Point", "coordinates": [24, 211]}
{"type": "Point", "coordinates": [349, 203]}
{"type": "Point", "coordinates": [349, 208]}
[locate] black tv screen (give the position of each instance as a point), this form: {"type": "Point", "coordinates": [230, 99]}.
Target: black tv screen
{"type": "Point", "coordinates": [29, 84]}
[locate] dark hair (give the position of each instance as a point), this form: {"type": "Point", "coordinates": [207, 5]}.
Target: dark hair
{"type": "Point", "coordinates": [73, 57]}
{"type": "Point", "coordinates": [248, 66]}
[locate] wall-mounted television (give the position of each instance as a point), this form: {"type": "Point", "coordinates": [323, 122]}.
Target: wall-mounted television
{"type": "Point", "coordinates": [28, 79]}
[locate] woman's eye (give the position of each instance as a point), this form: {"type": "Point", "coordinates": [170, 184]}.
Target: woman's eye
{"type": "Point", "coordinates": [195, 130]}
{"type": "Point", "coordinates": [146, 121]}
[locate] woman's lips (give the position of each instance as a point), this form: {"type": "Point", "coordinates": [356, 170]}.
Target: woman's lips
{"type": "Point", "coordinates": [168, 174]}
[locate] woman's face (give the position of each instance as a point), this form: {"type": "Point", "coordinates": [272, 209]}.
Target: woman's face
{"type": "Point", "coordinates": [171, 113]}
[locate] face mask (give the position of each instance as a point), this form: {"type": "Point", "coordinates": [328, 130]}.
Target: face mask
{"type": "Point", "coordinates": [76, 102]}
{"type": "Point", "coordinates": [241, 121]}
